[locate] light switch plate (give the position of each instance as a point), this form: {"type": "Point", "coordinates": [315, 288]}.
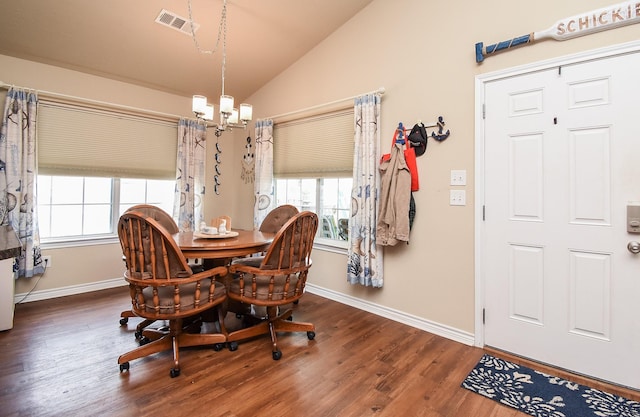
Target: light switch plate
{"type": "Point", "coordinates": [457, 197]}
{"type": "Point", "coordinates": [458, 177]}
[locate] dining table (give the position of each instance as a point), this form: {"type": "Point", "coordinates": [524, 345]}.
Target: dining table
{"type": "Point", "coordinates": [216, 250]}
{"type": "Point", "coordinates": [235, 243]}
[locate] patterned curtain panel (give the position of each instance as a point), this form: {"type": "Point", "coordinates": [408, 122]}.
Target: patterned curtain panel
{"type": "Point", "coordinates": [263, 185]}
{"type": "Point", "coordinates": [18, 178]}
{"type": "Point", "coordinates": [190, 174]}
{"type": "Point", "coordinates": [364, 257]}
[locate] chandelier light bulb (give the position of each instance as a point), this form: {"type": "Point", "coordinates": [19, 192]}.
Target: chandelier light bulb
{"type": "Point", "coordinates": [233, 119]}
{"type": "Point", "coordinates": [208, 113]}
{"type": "Point", "coordinates": [199, 104]}
{"type": "Point", "coordinates": [246, 112]}
{"type": "Point", "coordinates": [226, 104]}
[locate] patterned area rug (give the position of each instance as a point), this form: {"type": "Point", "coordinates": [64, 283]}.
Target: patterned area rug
{"type": "Point", "coordinates": [542, 395]}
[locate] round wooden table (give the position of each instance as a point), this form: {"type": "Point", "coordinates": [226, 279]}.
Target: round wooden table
{"type": "Point", "coordinates": [246, 243]}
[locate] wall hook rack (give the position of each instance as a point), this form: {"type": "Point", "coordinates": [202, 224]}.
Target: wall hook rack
{"type": "Point", "coordinates": [441, 135]}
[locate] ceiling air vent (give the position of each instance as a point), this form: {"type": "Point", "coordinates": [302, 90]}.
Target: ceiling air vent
{"type": "Point", "coordinates": [179, 23]}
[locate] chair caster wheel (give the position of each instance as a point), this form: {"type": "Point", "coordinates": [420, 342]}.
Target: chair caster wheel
{"type": "Point", "coordinates": [124, 321]}
{"type": "Point", "coordinates": [143, 341]}
{"type": "Point", "coordinates": [124, 366]}
{"type": "Point", "coordinates": [174, 372]}
{"type": "Point", "coordinates": [276, 355]}
{"type": "Point", "coordinates": [311, 335]}
{"type": "Point", "coordinates": [137, 334]}
{"type": "Point", "coordinates": [233, 346]}
{"type": "Point", "coordinates": [218, 347]}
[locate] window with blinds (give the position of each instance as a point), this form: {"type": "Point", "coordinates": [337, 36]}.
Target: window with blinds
{"type": "Point", "coordinates": [94, 163]}
{"type": "Point", "coordinates": [313, 167]}
{"type": "Point", "coordinates": [82, 141]}
{"type": "Point", "coordinates": [314, 147]}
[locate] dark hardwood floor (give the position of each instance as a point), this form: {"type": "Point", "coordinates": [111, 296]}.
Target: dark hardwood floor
{"type": "Point", "coordinates": [60, 359]}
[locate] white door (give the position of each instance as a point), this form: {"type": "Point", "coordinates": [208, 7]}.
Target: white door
{"type": "Point", "coordinates": [562, 161]}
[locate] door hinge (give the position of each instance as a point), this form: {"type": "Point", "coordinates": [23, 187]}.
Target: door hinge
{"type": "Point", "coordinates": [484, 111]}
{"type": "Point", "coordinates": [560, 71]}
{"type": "Point", "coordinates": [484, 316]}
{"type": "Point", "coordinates": [483, 213]}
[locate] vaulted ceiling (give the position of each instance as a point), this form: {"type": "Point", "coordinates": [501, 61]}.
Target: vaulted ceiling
{"type": "Point", "coordinates": [120, 39]}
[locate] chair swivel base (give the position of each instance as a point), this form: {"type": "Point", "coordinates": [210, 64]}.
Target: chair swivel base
{"type": "Point", "coordinates": [271, 325]}
{"type": "Point", "coordinates": [173, 340]}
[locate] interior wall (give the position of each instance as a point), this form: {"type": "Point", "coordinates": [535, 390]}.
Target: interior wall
{"type": "Point", "coordinates": [423, 54]}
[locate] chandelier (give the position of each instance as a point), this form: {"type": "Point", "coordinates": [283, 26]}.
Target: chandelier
{"type": "Point", "coordinates": [230, 116]}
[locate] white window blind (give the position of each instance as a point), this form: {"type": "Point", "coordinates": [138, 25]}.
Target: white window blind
{"type": "Point", "coordinates": [81, 141]}
{"type": "Point", "coordinates": [314, 147]}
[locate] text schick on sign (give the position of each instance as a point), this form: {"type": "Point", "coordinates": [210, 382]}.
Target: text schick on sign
{"type": "Point", "coordinates": [606, 18]}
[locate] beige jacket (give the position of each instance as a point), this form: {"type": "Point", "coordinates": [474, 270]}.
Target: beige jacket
{"type": "Point", "coordinates": [395, 193]}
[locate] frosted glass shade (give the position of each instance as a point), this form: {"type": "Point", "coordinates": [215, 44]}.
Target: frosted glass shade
{"type": "Point", "coordinates": [234, 116]}
{"type": "Point", "coordinates": [226, 104]}
{"type": "Point", "coordinates": [246, 112]}
{"type": "Point", "coordinates": [208, 113]}
{"type": "Point", "coordinates": [199, 104]}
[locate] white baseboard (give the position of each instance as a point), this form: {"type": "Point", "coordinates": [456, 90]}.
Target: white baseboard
{"type": "Point", "coordinates": [395, 315]}
{"type": "Point", "coordinates": [70, 290]}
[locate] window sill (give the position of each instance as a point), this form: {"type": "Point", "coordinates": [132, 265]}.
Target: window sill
{"type": "Point", "coordinates": [76, 242]}
{"type": "Point", "coordinates": [330, 245]}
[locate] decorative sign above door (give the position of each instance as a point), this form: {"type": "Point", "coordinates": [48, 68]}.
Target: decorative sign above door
{"type": "Point", "coordinates": [606, 18]}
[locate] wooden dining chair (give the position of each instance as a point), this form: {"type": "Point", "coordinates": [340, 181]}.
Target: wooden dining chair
{"type": "Point", "coordinates": [277, 217]}
{"type": "Point", "coordinates": [170, 225]}
{"type": "Point", "coordinates": [163, 287]}
{"type": "Point", "coordinates": [275, 281]}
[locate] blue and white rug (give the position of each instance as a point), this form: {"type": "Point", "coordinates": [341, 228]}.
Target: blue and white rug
{"type": "Point", "coordinates": [542, 395]}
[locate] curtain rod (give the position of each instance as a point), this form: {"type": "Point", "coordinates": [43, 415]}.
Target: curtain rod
{"type": "Point", "coordinates": [319, 106]}
{"type": "Point", "coordinates": [67, 99]}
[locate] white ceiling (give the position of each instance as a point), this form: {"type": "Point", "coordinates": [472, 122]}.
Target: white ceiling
{"type": "Point", "coordinates": [119, 39]}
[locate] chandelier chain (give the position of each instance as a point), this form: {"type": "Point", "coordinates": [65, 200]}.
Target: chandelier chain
{"type": "Point", "coordinates": [230, 116]}
{"type": "Point", "coordinates": [223, 25]}
{"type": "Point", "coordinates": [224, 41]}
{"type": "Point", "coordinates": [222, 30]}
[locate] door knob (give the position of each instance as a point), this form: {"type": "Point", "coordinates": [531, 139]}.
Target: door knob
{"type": "Point", "coordinates": [634, 247]}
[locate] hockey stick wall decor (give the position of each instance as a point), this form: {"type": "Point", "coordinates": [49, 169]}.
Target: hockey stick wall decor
{"type": "Point", "coordinates": [611, 17]}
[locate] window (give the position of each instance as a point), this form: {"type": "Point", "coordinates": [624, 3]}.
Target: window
{"type": "Point", "coordinates": [156, 192]}
{"type": "Point", "coordinates": [313, 164]}
{"type": "Point", "coordinates": [329, 198]}
{"type": "Point", "coordinates": [82, 208]}
{"type": "Point", "coordinates": [95, 161]}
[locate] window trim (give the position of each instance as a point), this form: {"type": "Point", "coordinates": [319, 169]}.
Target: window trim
{"type": "Point", "coordinates": [331, 245]}
{"type": "Point", "coordinates": [93, 239]}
